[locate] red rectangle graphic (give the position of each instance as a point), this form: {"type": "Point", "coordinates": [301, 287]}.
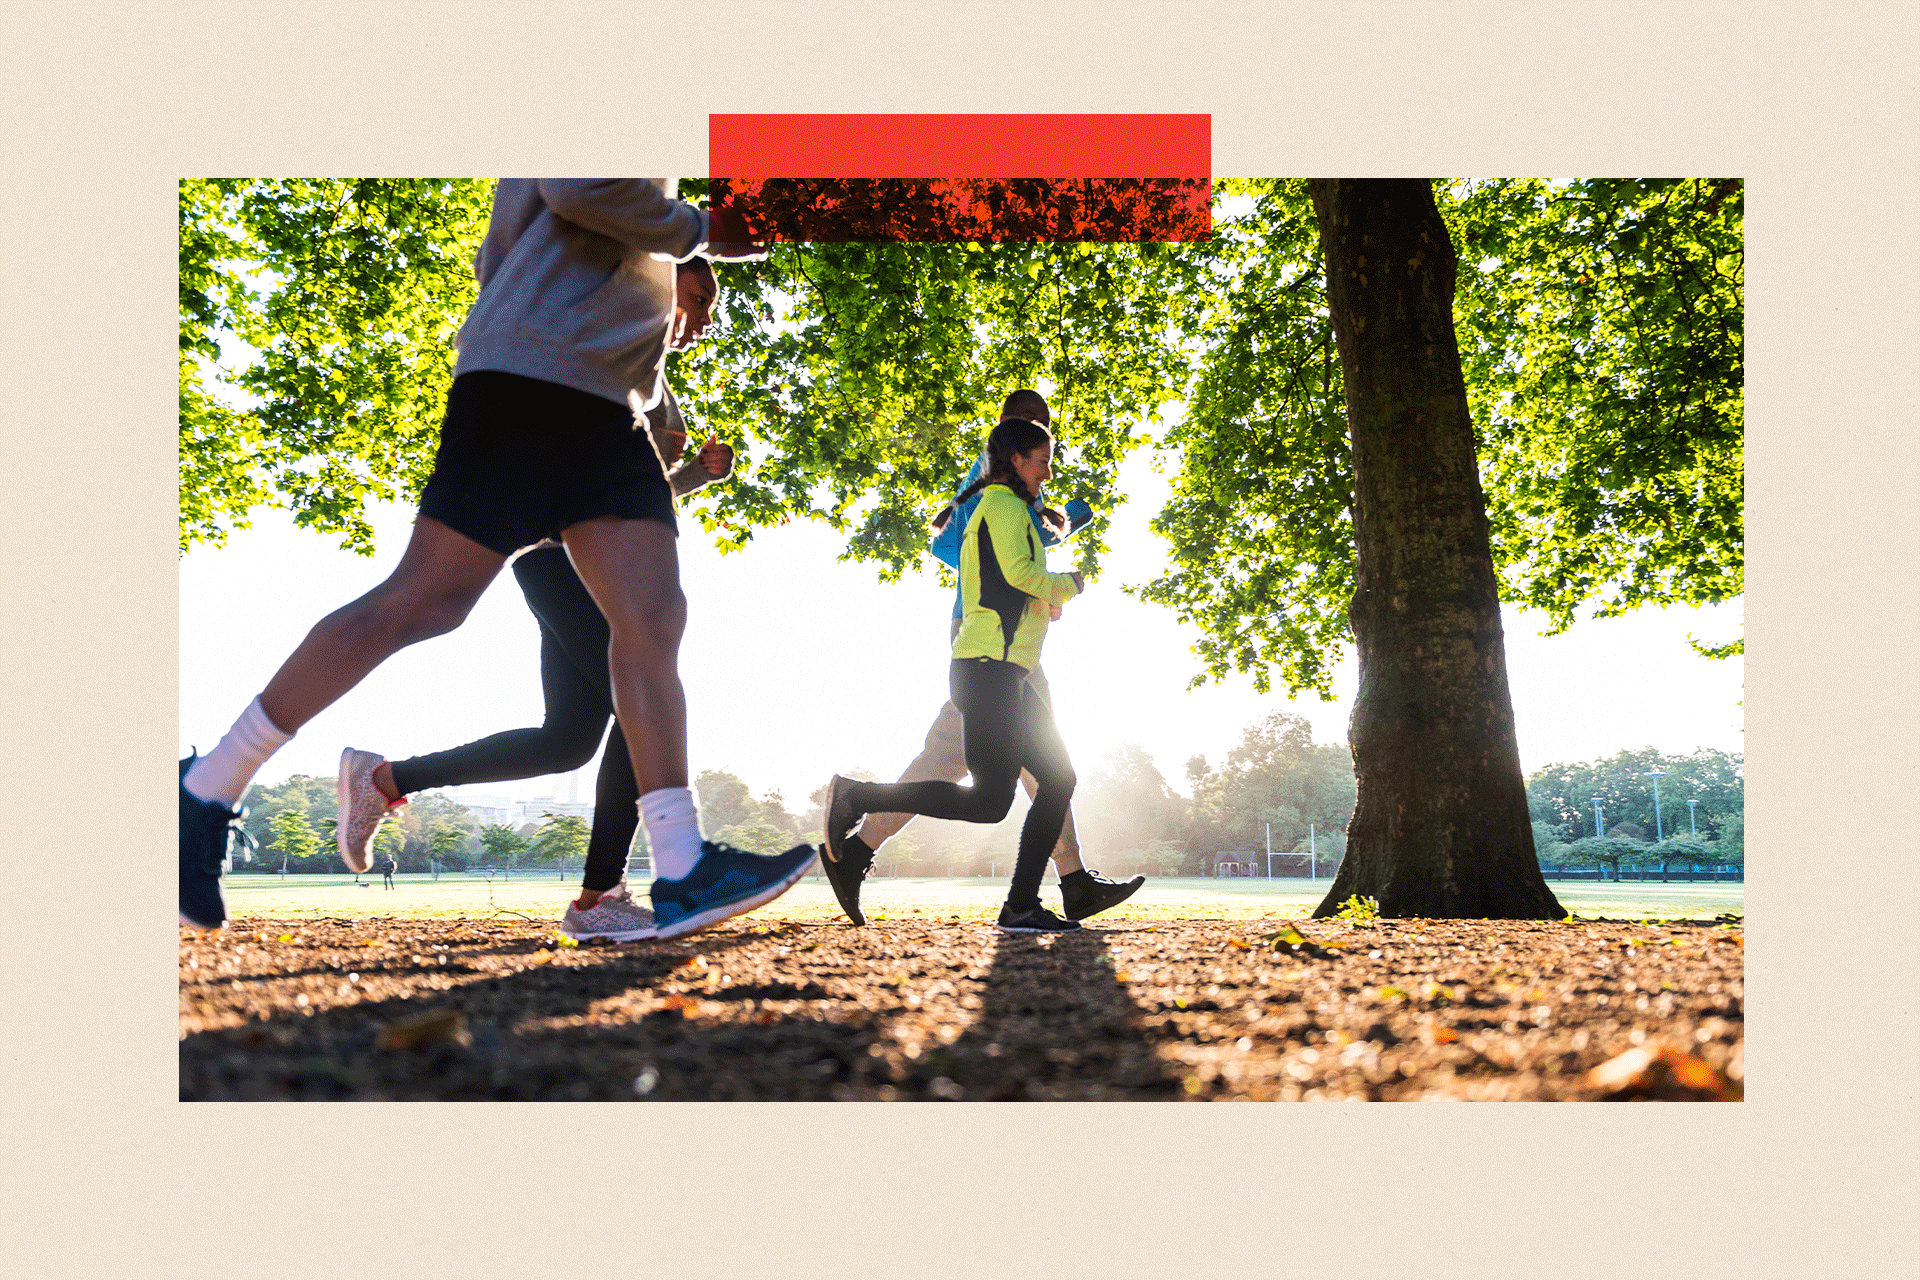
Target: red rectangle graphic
{"type": "Point", "coordinates": [961, 146]}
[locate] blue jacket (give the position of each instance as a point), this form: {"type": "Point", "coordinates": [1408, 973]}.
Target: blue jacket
{"type": "Point", "coordinates": [946, 544]}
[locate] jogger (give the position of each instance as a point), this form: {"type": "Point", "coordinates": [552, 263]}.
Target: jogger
{"type": "Point", "coordinates": [573, 318]}
{"type": "Point", "coordinates": [1083, 892]}
{"type": "Point", "coordinates": [574, 678]}
{"type": "Point", "coordinates": [1009, 597]}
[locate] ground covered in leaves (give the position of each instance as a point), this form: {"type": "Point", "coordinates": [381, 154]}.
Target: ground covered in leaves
{"type": "Point", "coordinates": [950, 1009]}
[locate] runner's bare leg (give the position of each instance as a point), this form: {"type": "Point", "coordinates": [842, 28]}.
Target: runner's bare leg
{"type": "Point", "coordinates": [631, 568]}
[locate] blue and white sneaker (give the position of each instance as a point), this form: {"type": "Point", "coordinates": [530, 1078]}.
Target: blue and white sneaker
{"type": "Point", "coordinates": [208, 829]}
{"type": "Point", "coordinates": [726, 882]}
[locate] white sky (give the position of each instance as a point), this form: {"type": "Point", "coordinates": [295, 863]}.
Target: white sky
{"type": "Point", "coordinates": [798, 665]}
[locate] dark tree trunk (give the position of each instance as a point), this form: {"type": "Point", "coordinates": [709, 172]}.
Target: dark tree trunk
{"type": "Point", "coordinates": [1441, 826]}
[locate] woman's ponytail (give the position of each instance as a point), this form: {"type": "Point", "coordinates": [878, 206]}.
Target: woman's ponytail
{"type": "Point", "coordinates": [959, 499]}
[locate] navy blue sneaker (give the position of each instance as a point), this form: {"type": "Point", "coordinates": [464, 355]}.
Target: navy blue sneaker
{"type": "Point", "coordinates": [208, 829]}
{"type": "Point", "coordinates": [726, 882]}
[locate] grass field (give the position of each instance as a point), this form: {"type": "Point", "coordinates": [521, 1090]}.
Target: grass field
{"type": "Point", "coordinates": [1186, 898]}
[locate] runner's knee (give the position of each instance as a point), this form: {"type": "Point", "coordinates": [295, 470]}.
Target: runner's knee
{"type": "Point", "coordinates": [992, 798]}
{"type": "Point", "coordinates": [403, 615]}
{"type": "Point", "coordinates": [438, 615]}
{"type": "Point", "coordinates": [570, 743]}
{"type": "Point", "coordinates": [650, 628]}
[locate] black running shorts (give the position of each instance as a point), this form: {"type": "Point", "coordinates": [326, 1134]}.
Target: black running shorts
{"type": "Point", "coordinates": [521, 459]}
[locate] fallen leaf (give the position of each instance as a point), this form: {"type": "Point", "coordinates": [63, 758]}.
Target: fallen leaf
{"type": "Point", "coordinates": [1663, 1075]}
{"type": "Point", "coordinates": [1291, 940]}
{"type": "Point", "coordinates": [438, 1026]}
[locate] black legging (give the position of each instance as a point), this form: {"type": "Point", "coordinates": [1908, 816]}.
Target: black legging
{"type": "Point", "coordinates": [1006, 727]}
{"type": "Point", "coordinates": [579, 694]}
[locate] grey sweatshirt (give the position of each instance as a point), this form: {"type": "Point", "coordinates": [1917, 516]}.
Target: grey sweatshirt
{"type": "Point", "coordinates": [576, 283]}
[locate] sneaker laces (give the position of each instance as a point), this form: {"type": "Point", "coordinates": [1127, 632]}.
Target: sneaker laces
{"type": "Point", "coordinates": [623, 904]}
{"type": "Point", "coordinates": [735, 851]}
{"type": "Point", "coordinates": [239, 841]}
{"type": "Point", "coordinates": [608, 898]}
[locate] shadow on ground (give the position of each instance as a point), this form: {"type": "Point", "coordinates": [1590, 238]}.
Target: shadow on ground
{"type": "Point", "coordinates": [953, 1010]}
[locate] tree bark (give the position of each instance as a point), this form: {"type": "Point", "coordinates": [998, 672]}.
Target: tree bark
{"type": "Point", "coordinates": [1441, 828]}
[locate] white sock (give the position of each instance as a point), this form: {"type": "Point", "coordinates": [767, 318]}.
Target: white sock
{"type": "Point", "coordinates": [224, 773]}
{"type": "Point", "coordinates": [673, 831]}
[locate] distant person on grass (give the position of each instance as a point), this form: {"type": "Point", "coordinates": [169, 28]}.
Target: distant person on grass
{"type": "Point", "coordinates": [574, 681]}
{"type": "Point", "coordinates": [1083, 892]}
{"type": "Point", "coordinates": [1006, 726]}
{"type": "Point", "coordinates": [386, 869]}
{"type": "Point", "coordinates": [572, 319]}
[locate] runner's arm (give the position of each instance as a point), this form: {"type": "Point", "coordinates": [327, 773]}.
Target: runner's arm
{"type": "Point", "coordinates": [1017, 547]}
{"type": "Point", "coordinates": [634, 211]}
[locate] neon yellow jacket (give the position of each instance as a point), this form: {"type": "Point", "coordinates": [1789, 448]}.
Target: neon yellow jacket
{"type": "Point", "coordinates": [1005, 589]}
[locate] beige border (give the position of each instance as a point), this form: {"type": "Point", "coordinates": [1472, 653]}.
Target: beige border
{"type": "Point", "coordinates": [108, 104]}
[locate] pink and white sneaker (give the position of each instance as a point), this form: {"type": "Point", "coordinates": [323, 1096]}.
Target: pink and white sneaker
{"type": "Point", "coordinates": [363, 807]}
{"type": "Point", "coordinates": [616, 917]}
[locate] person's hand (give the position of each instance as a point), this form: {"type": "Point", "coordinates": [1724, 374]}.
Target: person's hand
{"type": "Point", "coordinates": [715, 458]}
{"type": "Point", "coordinates": [1079, 580]}
{"type": "Point", "coordinates": [1053, 613]}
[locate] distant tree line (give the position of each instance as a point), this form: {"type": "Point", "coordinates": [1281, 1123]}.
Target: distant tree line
{"type": "Point", "coordinates": [1277, 789]}
{"type": "Point", "coordinates": [294, 823]}
{"type": "Point", "coordinates": [1629, 830]}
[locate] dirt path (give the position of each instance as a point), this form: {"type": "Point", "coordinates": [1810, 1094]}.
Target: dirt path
{"type": "Point", "coordinates": [951, 1009]}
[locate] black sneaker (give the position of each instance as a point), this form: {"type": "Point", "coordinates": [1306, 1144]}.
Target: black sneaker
{"type": "Point", "coordinates": [842, 817]}
{"type": "Point", "coordinates": [1034, 919]}
{"type": "Point", "coordinates": [854, 864]}
{"type": "Point", "coordinates": [207, 830]}
{"type": "Point", "coordinates": [1086, 893]}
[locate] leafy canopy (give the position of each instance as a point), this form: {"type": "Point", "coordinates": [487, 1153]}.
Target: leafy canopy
{"type": "Point", "coordinates": [1600, 326]}
{"type": "Point", "coordinates": [348, 293]}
